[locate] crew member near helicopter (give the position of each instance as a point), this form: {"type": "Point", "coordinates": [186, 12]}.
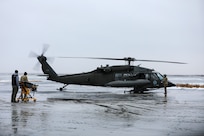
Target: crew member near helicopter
{"type": "Point", "coordinates": [165, 83]}
{"type": "Point", "coordinates": [15, 85]}
{"type": "Point", "coordinates": [23, 80]}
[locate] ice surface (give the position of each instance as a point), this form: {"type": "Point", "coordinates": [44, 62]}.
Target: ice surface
{"type": "Point", "coordinates": [85, 111]}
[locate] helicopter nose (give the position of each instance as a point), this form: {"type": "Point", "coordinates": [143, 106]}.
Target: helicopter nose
{"type": "Point", "coordinates": [170, 84]}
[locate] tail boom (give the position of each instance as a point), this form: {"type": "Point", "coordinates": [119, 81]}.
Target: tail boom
{"type": "Point", "coordinates": [46, 68]}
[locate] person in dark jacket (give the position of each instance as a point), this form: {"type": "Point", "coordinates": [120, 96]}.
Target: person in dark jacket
{"type": "Point", "coordinates": [15, 85]}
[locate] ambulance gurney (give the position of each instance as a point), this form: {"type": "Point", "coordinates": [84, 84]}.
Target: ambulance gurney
{"type": "Point", "coordinates": [26, 88]}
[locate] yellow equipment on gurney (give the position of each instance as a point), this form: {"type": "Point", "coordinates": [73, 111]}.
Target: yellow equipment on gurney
{"type": "Point", "coordinates": [26, 87]}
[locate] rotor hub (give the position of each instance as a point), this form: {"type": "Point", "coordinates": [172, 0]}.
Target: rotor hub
{"type": "Point", "coordinates": [42, 58]}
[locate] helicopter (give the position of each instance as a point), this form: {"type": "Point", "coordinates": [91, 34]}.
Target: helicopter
{"type": "Point", "coordinates": [129, 76]}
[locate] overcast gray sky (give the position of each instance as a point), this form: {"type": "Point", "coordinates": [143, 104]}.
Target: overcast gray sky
{"type": "Point", "coordinates": [144, 29]}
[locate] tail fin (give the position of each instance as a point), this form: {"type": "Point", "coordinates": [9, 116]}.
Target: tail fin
{"type": "Point", "coordinates": [46, 68]}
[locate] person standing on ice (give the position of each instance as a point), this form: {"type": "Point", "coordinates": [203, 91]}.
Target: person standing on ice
{"type": "Point", "coordinates": [23, 80]}
{"type": "Point", "coordinates": [15, 85]}
{"type": "Point", "coordinates": [165, 83]}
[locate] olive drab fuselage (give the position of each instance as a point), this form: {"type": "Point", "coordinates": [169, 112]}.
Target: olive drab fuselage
{"type": "Point", "coordinates": [136, 77]}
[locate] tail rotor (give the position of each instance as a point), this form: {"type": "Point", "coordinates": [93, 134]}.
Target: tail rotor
{"type": "Point", "coordinates": [41, 57]}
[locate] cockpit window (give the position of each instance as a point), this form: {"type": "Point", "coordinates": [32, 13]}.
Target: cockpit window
{"type": "Point", "coordinates": [141, 76]}
{"type": "Point", "coordinates": [160, 76]}
{"type": "Point", "coordinates": [147, 76]}
{"type": "Point", "coordinates": [154, 76]}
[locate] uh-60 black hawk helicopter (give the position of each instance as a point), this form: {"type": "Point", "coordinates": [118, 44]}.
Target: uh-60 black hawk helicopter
{"type": "Point", "coordinates": [136, 77]}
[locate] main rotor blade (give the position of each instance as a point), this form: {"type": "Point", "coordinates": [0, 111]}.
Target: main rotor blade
{"type": "Point", "coordinates": [94, 58]}
{"type": "Point", "coordinates": [161, 61]}
{"type": "Point", "coordinates": [129, 59]}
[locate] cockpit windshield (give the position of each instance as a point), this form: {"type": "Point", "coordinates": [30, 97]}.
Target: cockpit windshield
{"type": "Point", "coordinates": [156, 76]}
{"type": "Point", "coordinates": [160, 76]}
